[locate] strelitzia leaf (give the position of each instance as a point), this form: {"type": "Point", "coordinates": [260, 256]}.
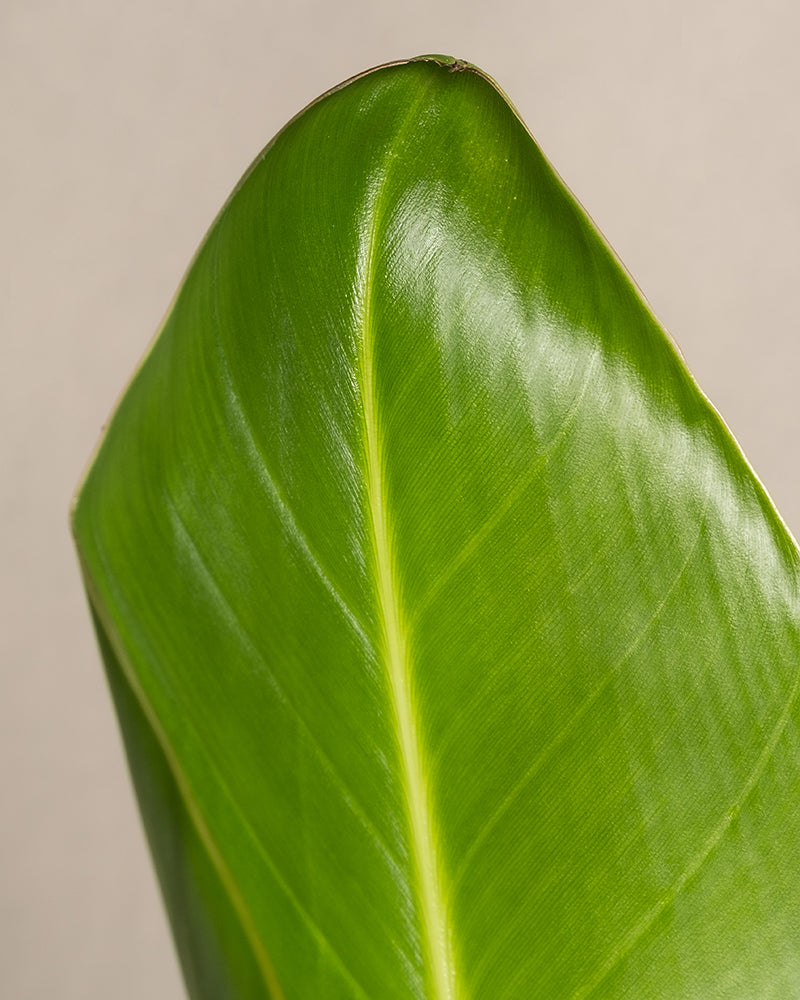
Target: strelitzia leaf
{"type": "Point", "coordinates": [454, 642]}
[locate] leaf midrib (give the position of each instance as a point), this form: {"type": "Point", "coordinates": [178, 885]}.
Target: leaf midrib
{"type": "Point", "coordinates": [433, 909]}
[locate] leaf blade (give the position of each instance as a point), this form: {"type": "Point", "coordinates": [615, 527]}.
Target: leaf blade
{"type": "Point", "coordinates": [439, 527]}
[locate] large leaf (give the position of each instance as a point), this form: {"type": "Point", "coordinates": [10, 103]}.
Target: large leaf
{"type": "Point", "coordinates": [454, 642]}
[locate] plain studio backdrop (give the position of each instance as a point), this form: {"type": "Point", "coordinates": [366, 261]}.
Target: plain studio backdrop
{"type": "Point", "coordinates": [124, 128]}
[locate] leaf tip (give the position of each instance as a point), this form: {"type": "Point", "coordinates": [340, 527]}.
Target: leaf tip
{"type": "Point", "coordinates": [448, 62]}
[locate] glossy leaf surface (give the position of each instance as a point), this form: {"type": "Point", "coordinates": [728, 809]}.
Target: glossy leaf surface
{"type": "Point", "coordinates": [454, 643]}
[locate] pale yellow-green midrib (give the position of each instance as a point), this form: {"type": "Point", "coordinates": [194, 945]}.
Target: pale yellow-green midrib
{"type": "Point", "coordinates": [436, 929]}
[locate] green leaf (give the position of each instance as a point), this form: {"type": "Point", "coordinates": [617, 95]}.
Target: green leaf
{"type": "Point", "coordinates": [454, 642]}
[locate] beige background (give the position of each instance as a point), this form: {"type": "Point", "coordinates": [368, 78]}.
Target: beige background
{"type": "Point", "coordinates": [124, 126]}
